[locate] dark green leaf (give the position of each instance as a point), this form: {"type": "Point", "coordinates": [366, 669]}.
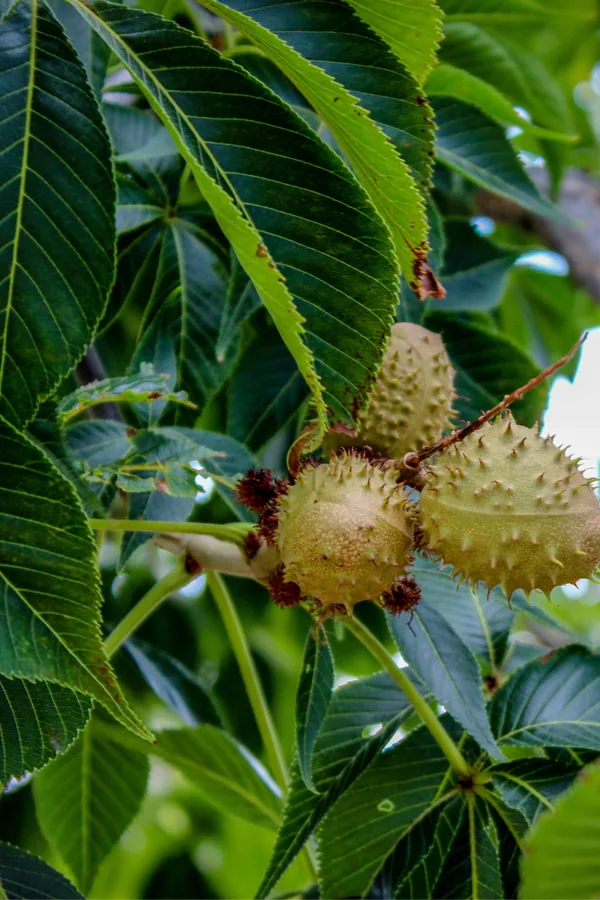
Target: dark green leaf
{"type": "Point", "coordinates": [278, 389]}
{"type": "Point", "coordinates": [476, 146]}
{"type": "Point", "coordinates": [142, 388]}
{"type": "Point", "coordinates": [240, 302]}
{"type": "Point", "coordinates": [37, 721]}
{"type": "Point", "coordinates": [553, 701]}
{"type": "Point", "coordinates": [397, 790]}
{"type": "Point", "coordinates": [473, 867]}
{"type": "Point", "coordinates": [312, 699]}
{"type": "Point", "coordinates": [86, 799]}
{"type": "Point", "coordinates": [413, 31]}
{"type": "Point", "coordinates": [337, 262]}
{"type": "Point", "coordinates": [344, 748]}
{"type": "Point", "coordinates": [532, 785]}
{"type": "Point", "coordinates": [92, 52]}
{"type": "Point", "coordinates": [57, 227]}
{"type": "Point", "coordinates": [337, 62]}
{"type": "Point", "coordinates": [562, 858]}
{"type": "Point", "coordinates": [98, 442]}
{"type": "Point", "coordinates": [444, 662]}
{"type": "Point", "coordinates": [176, 686]}
{"type": "Point", "coordinates": [474, 271]}
{"type": "Point", "coordinates": [50, 623]}
{"type": "Point", "coordinates": [137, 205]}
{"type": "Point", "coordinates": [414, 866]}
{"type": "Point", "coordinates": [220, 768]}
{"type": "Point", "coordinates": [489, 366]}
{"type": "Point", "coordinates": [25, 877]}
{"type": "Point", "coordinates": [482, 622]}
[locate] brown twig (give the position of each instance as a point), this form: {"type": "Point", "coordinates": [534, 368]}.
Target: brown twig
{"type": "Point", "coordinates": [412, 461]}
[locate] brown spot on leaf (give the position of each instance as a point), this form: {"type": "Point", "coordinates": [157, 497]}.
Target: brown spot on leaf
{"type": "Point", "coordinates": [262, 251]}
{"type": "Point", "coordinates": [425, 283]}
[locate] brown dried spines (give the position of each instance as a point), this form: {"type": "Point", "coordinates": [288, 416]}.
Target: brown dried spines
{"type": "Point", "coordinates": [403, 595]}
{"type": "Point", "coordinates": [410, 402]}
{"type": "Point", "coordinates": [507, 506]}
{"type": "Point", "coordinates": [284, 593]}
{"type": "Point", "coordinates": [345, 531]}
{"type": "Point", "coordinates": [258, 488]}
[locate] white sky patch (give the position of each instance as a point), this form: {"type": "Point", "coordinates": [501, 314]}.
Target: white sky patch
{"type": "Point", "coordinates": [571, 407]}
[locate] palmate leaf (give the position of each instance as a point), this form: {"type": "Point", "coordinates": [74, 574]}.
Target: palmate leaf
{"type": "Point", "coordinates": [440, 657]}
{"type": "Point", "coordinates": [38, 720]}
{"type": "Point", "coordinates": [56, 225]}
{"type": "Point", "coordinates": [86, 799]}
{"type": "Point", "coordinates": [296, 218]}
{"type": "Point", "coordinates": [412, 30]}
{"type": "Point", "coordinates": [472, 868]}
{"type": "Point", "coordinates": [24, 877]}
{"type": "Point", "coordinates": [226, 774]}
{"type": "Point", "coordinates": [174, 683]}
{"type": "Point", "coordinates": [533, 785]}
{"type": "Point", "coordinates": [482, 622]}
{"type": "Point", "coordinates": [142, 388]}
{"type": "Point", "coordinates": [353, 80]}
{"type": "Point", "coordinates": [187, 280]}
{"type": "Point", "coordinates": [344, 748]}
{"type": "Point", "coordinates": [397, 790]}
{"type": "Point", "coordinates": [312, 699]}
{"type": "Point", "coordinates": [551, 701]}
{"type": "Point", "coordinates": [413, 868]}
{"type": "Point", "coordinates": [476, 147]}
{"type": "Point", "coordinates": [278, 388]}
{"type": "Point", "coordinates": [562, 858]}
{"type": "Point", "coordinates": [451, 81]}
{"type": "Point", "coordinates": [49, 584]}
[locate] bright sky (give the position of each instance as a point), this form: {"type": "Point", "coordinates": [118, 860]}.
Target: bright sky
{"type": "Point", "coordinates": [571, 413]}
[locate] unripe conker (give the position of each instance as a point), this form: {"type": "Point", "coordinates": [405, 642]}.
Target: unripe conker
{"type": "Point", "coordinates": [345, 532]}
{"type": "Point", "coordinates": [507, 506]}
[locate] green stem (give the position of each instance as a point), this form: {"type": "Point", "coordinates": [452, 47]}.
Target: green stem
{"type": "Point", "coordinates": [431, 721]}
{"type": "Point", "coordinates": [258, 701]}
{"type": "Point", "coordinates": [173, 581]}
{"type": "Point", "coordinates": [234, 532]}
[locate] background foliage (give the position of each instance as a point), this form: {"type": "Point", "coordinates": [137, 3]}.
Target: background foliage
{"type": "Point", "coordinates": [211, 214]}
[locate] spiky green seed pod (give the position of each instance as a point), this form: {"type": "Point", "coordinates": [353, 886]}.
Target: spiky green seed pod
{"type": "Point", "coordinates": [507, 506]}
{"type": "Point", "coordinates": [345, 531]}
{"type": "Point", "coordinates": [410, 402]}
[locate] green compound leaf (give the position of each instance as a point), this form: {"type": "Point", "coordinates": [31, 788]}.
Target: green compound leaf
{"type": "Point", "coordinates": [553, 701]}
{"type": "Point", "coordinates": [174, 683]}
{"type": "Point", "coordinates": [476, 147]}
{"type": "Point", "coordinates": [312, 699]}
{"type": "Point", "coordinates": [561, 852]}
{"type": "Point", "coordinates": [344, 748]}
{"type": "Point", "coordinates": [533, 785]}
{"type": "Point", "coordinates": [219, 767]}
{"type": "Point", "coordinates": [414, 867]}
{"type": "Point", "coordinates": [142, 388]}
{"type": "Point", "coordinates": [24, 877]}
{"type": "Point", "coordinates": [300, 225]}
{"type": "Point", "coordinates": [482, 622]}
{"type": "Point", "coordinates": [57, 199]}
{"type": "Point", "coordinates": [451, 81]}
{"type": "Point", "coordinates": [49, 584]}
{"type": "Point", "coordinates": [412, 30]}
{"type": "Point", "coordinates": [440, 657]}
{"type": "Point", "coordinates": [398, 789]}
{"type": "Point", "coordinates": [473, 867]}
{"type": "Point", "coordinates": [87, 798]}
{"type": "Point", "coordinates": [38, 721]}
{"type": "Point", "coordinates": [368, 99]}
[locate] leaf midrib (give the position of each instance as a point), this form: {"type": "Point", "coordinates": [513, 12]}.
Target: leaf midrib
{"type": "Point", "coordinates": [21, 196]}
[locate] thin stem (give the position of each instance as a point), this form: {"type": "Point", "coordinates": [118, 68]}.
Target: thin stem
{"type": "Point", "coordinates": [235, 532]}
{"type": "Point", "coordinates": [173, 581]}
{"type": "Point", "coordinates": [431, 721]}
{"type": "Point", "coordinates": [258, 701]}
